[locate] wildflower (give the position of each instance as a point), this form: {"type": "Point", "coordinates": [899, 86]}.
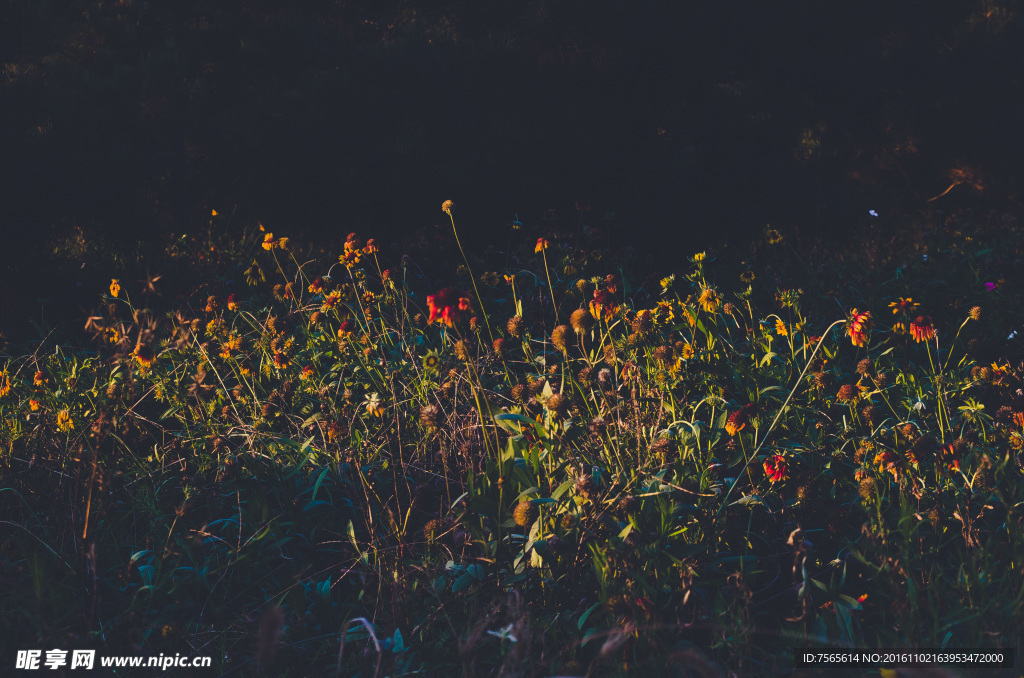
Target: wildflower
{"type": "Point", "coordinates": [847, 394]}
{"type": "Point", "coordinates": [269, 242]}
{"type": "Point", "coordinates": [858, 326]}
{"type": "Point", "coordinates": [686, 352]}
{"type": "Point", "coordinates": [975, 313]}
{"type": "Point", "coordinates": [666, 282]}
{"type": "Point", "coordinates": [447, 306]}
{"type": "Point", "coordinates": [213, 213]}
{"type": "Point", "coordinates": [281, 360]}
{"type": "Point", "coordinates": [33, 405]}
{"type": "Point", "coordinates": [307, 372]}
{"type": "Point", "coordinates": [115, 287]}
{"type": "Point", "coordinates": [431, 361]}
{"type": "Point", "coordinates": [144, 356]}
{"type": "Point", "coordinates": [643, 322]}
{"type": "Point", "coordinates": [774, 237]}
{"type": "Point", "coordinates": [345, 329]}
{"type": "Point", "coordinates": [447, 206]}
{"type": "Point", "coordinates": [542, 245]}
{"type": "Point", "coordinates": [737, 421]}
{"type": "Point", "coordinates": [331, 301]}
{"type": "Point", "coordinates": [39, 378]}
{"type": "Point", "coordinates": [211, 304]}
{"type": "Point", "coordinates": [371, 247]}
{"type": "Point", "coordinates": [922, 329]}
{"type": "Point", "coordinates": [699, 257]}
{"type": "Point", "coordinates": [788, 298]}
{"type": "Point", "coordinates": [352, 254]}
{"type": "Point", "coordinates": [904, 306]}
{"type": "Point", "coordinates": [431, 417]}
{"type": "Point", "coordinates": [780, 327]}
{"type": "Point", "coordinates": [709, 300]}
{"type": "Point", "coordinates": [866, 488]}
{"type": "Point", "coordinates": [557, 403]}
{"type": "Point", "coordinates": [728, 308]}
{"type": "Point", "coordinates": [865, 367]}
{"type": "Point", "coordinates": [776, 467]}
{"type": "Point", "coordinates": [316, 287]}
{"type": "Point", "coordinates": [374, 405]}
{"type": "Point", "coordinates": [64, 422]}
{"type": "Point", "coordinates": [748, 277]}
{"type": "Point", "coordinates": [233, 303]}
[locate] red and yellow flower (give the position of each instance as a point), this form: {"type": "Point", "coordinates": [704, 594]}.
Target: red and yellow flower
{"type": "Point", "coordinates": [447, 306]}
{"type": "Point", "coordinates": [922, 329]}
{"type": "Point", "coordinates": [858, 326]}
{"type": "Point", "coordinates": [776, 468]}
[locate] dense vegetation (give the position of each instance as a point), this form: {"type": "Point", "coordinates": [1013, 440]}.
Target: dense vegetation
{"type": "Point", "coordinates": [549, 461]}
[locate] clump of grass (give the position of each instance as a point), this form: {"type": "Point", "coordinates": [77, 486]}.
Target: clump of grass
{"type": "Point", "coordinates": [334, 465]}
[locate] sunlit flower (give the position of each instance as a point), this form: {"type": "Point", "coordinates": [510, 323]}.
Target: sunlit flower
{"type": "Point", "coordinates": [211, 304]}
{"type": "Point", "coordinates": [542, 245]}
{"type": "Point", "coordinates": [371, 246]}
{"type": "Point", "coordinates": [686, 352]}
{"type": "Point", "coordinates": [431, 361]}
{"type": "Point", "coordinates": [345, 329]}
{"type": "Point", "coordinates": [269, 242]}
{"type": "Point", "coordinates": [33, 405]}
{"type": "Point", "coordinates": [307, 372]}
{"type": "Point", "coordinates": [353, 253]}
{"type": "Point", "coordinates": [774, 237]}
{"type": "Point", "coordinates": [921, 329]}
{"type": "Point", "coordinates": [233, 303]}
{"type": "Point", "coordinates": [447, 206]}
{"type": "Point", "coordinates": [330, 301]}
{"type": "Point", "coordinates": [904, 306]}
{"type": "Point", "coordinates": [115, 287]}
{"type": "Point", "coordinates": [780, 327]}
{"type": "Point", "coordinates": [374, 405]}
{"type": "Point", "coordinates": [858, 326]}
{"type": "Point", "coordinates": [39, 378]}
{"type": "Point", "coordinates": [281, 360]}
{"type": "Point", "coordinates": [232, 343]}
{"type": "Point", "coordinates": [776, 467]}
{"type": "Point", "coordinates": [316, 286]}
{"type": "Point", "coordinates": [709, 300]}
{"type": "Point", "coordinates": [64, 422]}
{"type": "Point", "coordinates": [447, 306]}
{"type": "Point", "coordinates": [738, 419]}
{"type": "Point", "coordinates": [5, 383]}
{"type": "Point", "coordinates": [699, 257]}
{"type": "Point", "coordinates": [144, 356]}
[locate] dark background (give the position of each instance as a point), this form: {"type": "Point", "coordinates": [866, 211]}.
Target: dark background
{"type": "Point", "coordinates": [125, 121]}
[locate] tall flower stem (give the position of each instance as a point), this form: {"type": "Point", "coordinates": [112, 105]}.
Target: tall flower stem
{"type": "Point", "coordinates": [447, 208]}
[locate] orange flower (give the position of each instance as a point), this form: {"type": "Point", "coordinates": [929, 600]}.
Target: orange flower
{"type": "Point", "coordinates": [269, 242]}
{"type": "Point", "coordinates": [233, 304]}
{"type": "Point", "coordinates": [352, 254]}
{"type": "Point", "coordinates": [776, 468]}
{"type": "Point", "coordinates": [542, 245]}
{"type": "Point", "coordinates": [307, 372]}
{"type": "Point", "coordinates": [316, 286]}
{"type": "Point", "coordinates": [371, 246]}
{"type": "Point", "coordinates": [858, 326]}
{"type": "Point", "coordinates": [922, 329]}
{"type": "Point", "coordinates": [39, 379]}
{"type": "Point", "coordinates": [281, 360]}
{"type": "Point", "coordinates": [738, 419]}
{"type": "Point", "coordinates": [115, 287]}
{"type": "Point", "coordinates": [447, 206]}
{"type": "Point", "coordinates": [331, 301]}
{"type": "Point", "coordinates": [5, 383]}
{"type": "Point", "coordinates": [447, 306]}
{"type": "Point", "coordinates": [33, 405]}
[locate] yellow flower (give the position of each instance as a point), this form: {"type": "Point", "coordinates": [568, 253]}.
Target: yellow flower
{"type": "Point", "coordinates": [33, 405]}
{"type": "Point", "coordinates": [687, 352]}
{"type": "Point", "coordinates": [213, 213]}
{"type": "Point", "coordinates": [64, 422]}
{"type": "Point", "coordinates": [780, 328]}
{"type": "Point", "coordinates": [447, 206]}
{"type": "Point", "coordinates": [709, 300]}
{"type": "Point", "coordinates": [115, 287]}
{"type": "Point", "coordinates": [699, 257]}
{"type": "Point", "coordinates": [5, 383]}
{"type": "Point", "coordinates": [542, 245]}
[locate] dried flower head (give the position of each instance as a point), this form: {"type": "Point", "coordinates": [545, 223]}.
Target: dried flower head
{"type": "Point", "coordinates": [431, 416]}
{"type": "Point", "coordinates": [865, 367]}
{"type": "Point", "coordinates": [447, 206]}
{"type": "Point", "coordinates": [515, 326]}
{"type": "Point", "coordinates": [525, 513]}
{"type": "Point", "coordinates": [581, 320]}
{"type": "Point", "coordinates": [848, 393]}
{"type": "Point", "coordinates": [975, 313]}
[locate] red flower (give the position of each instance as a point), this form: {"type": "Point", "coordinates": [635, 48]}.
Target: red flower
{"type": "Point", "coordinates": [447, 306]}
{"type": "Point", "coordinates": [922, 329]}
{"type": "Point", "coordinates": [776, 468]}
{"type": "Point", "coordinates": [858, 326]}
